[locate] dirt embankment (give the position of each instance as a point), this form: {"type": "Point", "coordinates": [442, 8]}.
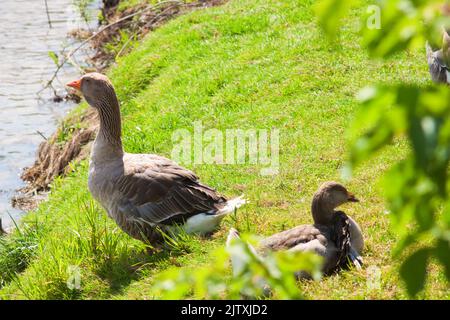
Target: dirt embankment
{"type": "Point", "coordinates": [55, 154]}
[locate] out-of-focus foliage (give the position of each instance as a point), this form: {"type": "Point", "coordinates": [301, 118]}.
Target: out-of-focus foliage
{"type": "Point", "coordinates": [417, 188]}
{"type": "Point", "coordinates": [330, 13]}
{"type": "Point", "coordinates": [82, 6]}
{"type": "Point", "coordinates": [253, 276]}
{"type": "Point", "coordinates": [405, 24]}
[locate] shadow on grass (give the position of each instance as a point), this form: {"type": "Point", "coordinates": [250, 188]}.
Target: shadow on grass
{"type": "Point", "coordinates": [122, 270]}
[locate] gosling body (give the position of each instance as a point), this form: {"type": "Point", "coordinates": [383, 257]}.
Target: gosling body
{"type": "Point", "coordinates": [334, 235]}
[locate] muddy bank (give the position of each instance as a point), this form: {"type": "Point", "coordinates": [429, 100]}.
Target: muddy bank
{"type": "Point", "coordinates": [56, 153]}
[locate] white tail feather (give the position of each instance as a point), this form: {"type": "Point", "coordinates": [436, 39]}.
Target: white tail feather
{"type": "Point", "coordinates": [355, 258]}
{"type": "Point", "coordinates": [204, 223]}
{"type": "Point", "coordinates": [232, 205]}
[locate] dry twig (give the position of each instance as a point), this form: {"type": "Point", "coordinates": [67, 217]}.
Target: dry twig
{"type": "Point", "coordinates": [68, 57]}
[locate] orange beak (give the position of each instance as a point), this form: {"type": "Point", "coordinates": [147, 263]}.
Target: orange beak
{"type": "Point", "coordinates": [75, 84]}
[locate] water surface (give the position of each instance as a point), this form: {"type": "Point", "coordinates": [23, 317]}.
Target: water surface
{"type": "Point", "coordinates": [26, 39]}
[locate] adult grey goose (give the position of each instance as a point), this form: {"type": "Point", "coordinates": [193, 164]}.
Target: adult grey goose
{"type": "Point", "coordinates": [439, 61]}
{"type": "Point", "coordinates": [334, 235]}
{"type": "Point", "coordinates": [144, 193]}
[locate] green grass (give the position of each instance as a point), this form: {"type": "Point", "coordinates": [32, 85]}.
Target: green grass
{"type": "Point", "coordinates": [17, 250]}
{"type": "Point", "coordinates": [246, 64]}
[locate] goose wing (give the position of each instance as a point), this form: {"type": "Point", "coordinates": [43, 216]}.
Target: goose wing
{"type": "Point", "coordinates": [341, 236]}
{"type": "Point", "coordinates": [157, 191]}
{"type": "Point", "coordinates": [300, 238]}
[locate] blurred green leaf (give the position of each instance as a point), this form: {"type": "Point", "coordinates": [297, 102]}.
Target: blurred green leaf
{"type": "Point", "coordinates": [405, 24]}
{"type": "Point", "coordinates": [253, 276]}
{"type": "Point", "coordinates": [54, 57]}
{"type": "Point", "coordinates": [330, 14]}
{"type": "Point", "coordinates": [413, 271]}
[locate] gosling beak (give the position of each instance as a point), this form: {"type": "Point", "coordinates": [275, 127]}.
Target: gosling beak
{"type": "Point", "coordinates": [352, 198]}
{"type": "Point", "coordinates": [75, 84]}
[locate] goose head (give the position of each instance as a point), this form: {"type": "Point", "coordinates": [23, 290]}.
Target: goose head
{"type": "Point", "coordinates": [97, 89]}
{"type": "Point", "coordinates": [99, 92]}
{"type": "Point", "coordinates": [329, 196]}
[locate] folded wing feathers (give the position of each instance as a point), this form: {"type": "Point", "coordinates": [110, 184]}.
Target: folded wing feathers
{"type": "Point", "coordinates": [292, 237]}
{"type": "Point", "coordinates": [343, 242]}
{"type": "Point", "coordinates": [161, 191]}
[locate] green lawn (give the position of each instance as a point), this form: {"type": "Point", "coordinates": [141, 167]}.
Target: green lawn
{"type": "Point", "coordinates": [247, 64]}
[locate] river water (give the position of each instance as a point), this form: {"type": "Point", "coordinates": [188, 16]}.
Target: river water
{"type": "Point", "coordinates": [26, 39]}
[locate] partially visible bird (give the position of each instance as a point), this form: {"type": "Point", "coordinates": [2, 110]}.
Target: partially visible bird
{"type": "Point", "coordinates": [147, 195]}
{"type": "Point", "coordinates": [334, 235]}
{"type": "Point", "coordinates": [439, 60]}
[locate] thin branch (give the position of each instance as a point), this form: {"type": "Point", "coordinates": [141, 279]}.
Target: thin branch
{"type": "Point", "coordinates": [41, 134]}
{"type": "Point", "coordinates": [48, 14]}
{"type": "Point", "coordinates": [84, 42]}
{"type": "Point", "coordinates": [119, 21]}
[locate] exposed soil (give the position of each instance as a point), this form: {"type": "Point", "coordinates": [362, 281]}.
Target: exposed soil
{"type": "Point", "coordinates": [53, 156]}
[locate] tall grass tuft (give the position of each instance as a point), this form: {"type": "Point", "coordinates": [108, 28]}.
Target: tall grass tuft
{"type": "Point", "coordinates": [17, 250]}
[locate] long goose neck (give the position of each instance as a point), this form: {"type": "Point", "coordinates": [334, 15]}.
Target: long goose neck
{"type": "Point", "coordinates": [321, 210]}
{"type": "Point", "coordinates": [109, 137]}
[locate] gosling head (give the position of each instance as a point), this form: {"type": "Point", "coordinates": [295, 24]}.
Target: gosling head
{"type": "Point", "coordinates": [335, 194]}
{"type": "Point", "coordinates": [329, 196]}
{"type": "Point", "coordinates": [97, 89]}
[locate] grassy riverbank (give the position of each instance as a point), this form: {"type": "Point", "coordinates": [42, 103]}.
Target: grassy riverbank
{"type": "Point", "coordinates": [247, 64]}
